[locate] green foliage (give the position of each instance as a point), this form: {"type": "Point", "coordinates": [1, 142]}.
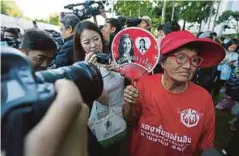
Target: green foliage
{"type": "Point", "coordinates": [190, 11]}
{"type": "Point", "coordinates": [54, 19]}
{"type": "Point", "coordinates": [235, 15]}
{"type": "Point", "coordinates": [10, 8]}
{"type": "Point", "coordinates": [133, 8]}
{"type": "Point", "coordinates": [138, 9]}
{"type": "Point", "coordinates": [225, 16]}
{"type": "Point", "coordinates": [4, 8]}
{"type": "Point", "coordinates": [168, 13]}
{"type": "Point", "coordinates": [41, 20]}
{"type": "Point", "coordinates": [195, 11]}
{"type": "Point", "coordinates": [229, 15]}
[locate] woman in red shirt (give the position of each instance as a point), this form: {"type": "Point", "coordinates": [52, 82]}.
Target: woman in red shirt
{"type": "Point", "coordinates": [172, 116]}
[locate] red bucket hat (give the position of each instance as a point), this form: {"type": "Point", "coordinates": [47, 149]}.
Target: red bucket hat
{"type": "Point", "coordinates": [211, 52]}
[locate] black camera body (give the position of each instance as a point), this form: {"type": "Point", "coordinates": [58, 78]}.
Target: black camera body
{"type": "Point", "coordinates": [89, 9]}
{"type": "Point", "coordinates": [104, 58]}
{"type": "Point", "coordinates": [26, 96]}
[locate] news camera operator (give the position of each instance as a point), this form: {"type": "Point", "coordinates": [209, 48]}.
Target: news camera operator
{"type": "Point", "coordinates": [64, 56]}
{"type": "Point", "coordinates": [28, 113]}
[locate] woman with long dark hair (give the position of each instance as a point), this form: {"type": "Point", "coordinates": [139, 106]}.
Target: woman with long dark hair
{"type": "Point", "coordinates": [88, 41]}
{"type": "Point", "coordinates": [80, 46]}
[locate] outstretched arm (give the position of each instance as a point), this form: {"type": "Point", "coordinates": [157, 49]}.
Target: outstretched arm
{"type": "Point", "coordinates": [49, 135]}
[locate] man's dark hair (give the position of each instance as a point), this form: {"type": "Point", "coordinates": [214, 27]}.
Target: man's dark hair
{"type": "Point", "coordinates": [122, 21]}
{"type": "Point", "coordinates": [160, 27]}
{"type": "Point", "coordinates": [70, 20]}
{"type": "Point", "coordinates": [101, 27]}
{"type": "Point", "coordinates": [12, 30]}
{"type": "Point", "coordinates": [214, 34]}
{"type": "Point", "coordinates": [35, 39]}
{"type": "Point", "coordinates": [170, 27]}
{"type": "Point", "coordinates": [114, 23]}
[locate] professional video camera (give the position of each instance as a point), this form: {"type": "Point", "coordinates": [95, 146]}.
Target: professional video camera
{"type": "Point", "coordinates": [53, 33]}
{"type": "Point", "coordinates": [87, 9]}
{"type": "Point", "coordinates": [26, 97]}
{"type": "Point", "coordinates": [133, 22]}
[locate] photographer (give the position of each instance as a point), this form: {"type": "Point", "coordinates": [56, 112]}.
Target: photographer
{"type": "Point", "coordinates": [37, 106]}
{"type": "Point", "coordinates": [39, 48]}
{"type": "Point", "coordinates": [88, 42]}
{"type": "Point", "coordinates": [64, 56]}
{"type": "Point", "coordinates": [63, 129]}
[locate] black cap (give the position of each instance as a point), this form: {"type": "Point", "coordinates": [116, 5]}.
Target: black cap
{"type": "Point", "coordinates": [115, 23]}
{"type": "Point", "coordinates": [170, 27]}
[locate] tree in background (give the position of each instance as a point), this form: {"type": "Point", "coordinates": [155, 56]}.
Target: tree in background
{"type": "Point", "coordinates": [133, 8]}
{"type": "Point", "coordinates": [228, 16]}
{"type": "Point", "coordinates": [189, 11]}
{"type": "Point", "coordinates": [195, 11]}
{"type": "Point", "coordinates": [40, 20]}
{"type": "Point", "coordinates": [138, 9]}
{"type": "Point", "coordinates": [54, 19]}
{"type": "Point", "coordinates": [10, 8]}
{"type": "Point", "coordinates": [169, 10]}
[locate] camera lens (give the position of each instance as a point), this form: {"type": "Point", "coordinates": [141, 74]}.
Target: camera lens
{"type": "Point", "coordinates": [86, 76]}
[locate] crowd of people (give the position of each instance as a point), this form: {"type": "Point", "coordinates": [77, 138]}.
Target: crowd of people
{"type": "Point", "coordinates": [170, 112]}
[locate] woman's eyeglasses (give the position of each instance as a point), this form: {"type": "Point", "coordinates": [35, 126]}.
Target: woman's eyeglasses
{"type": "Point", "coordinates": [181, 58]}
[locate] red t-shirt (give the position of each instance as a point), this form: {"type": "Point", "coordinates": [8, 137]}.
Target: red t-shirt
{"type": "Point", "coordinates": [171, 124]}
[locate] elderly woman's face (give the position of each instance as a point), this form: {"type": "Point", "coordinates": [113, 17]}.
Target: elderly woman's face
{"type": "Point", "coordinates": [181, 72]}
{"type": "Point", "coordinates": [91, 41]}
{"type": "Point", "coordinates": [126, 45]}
